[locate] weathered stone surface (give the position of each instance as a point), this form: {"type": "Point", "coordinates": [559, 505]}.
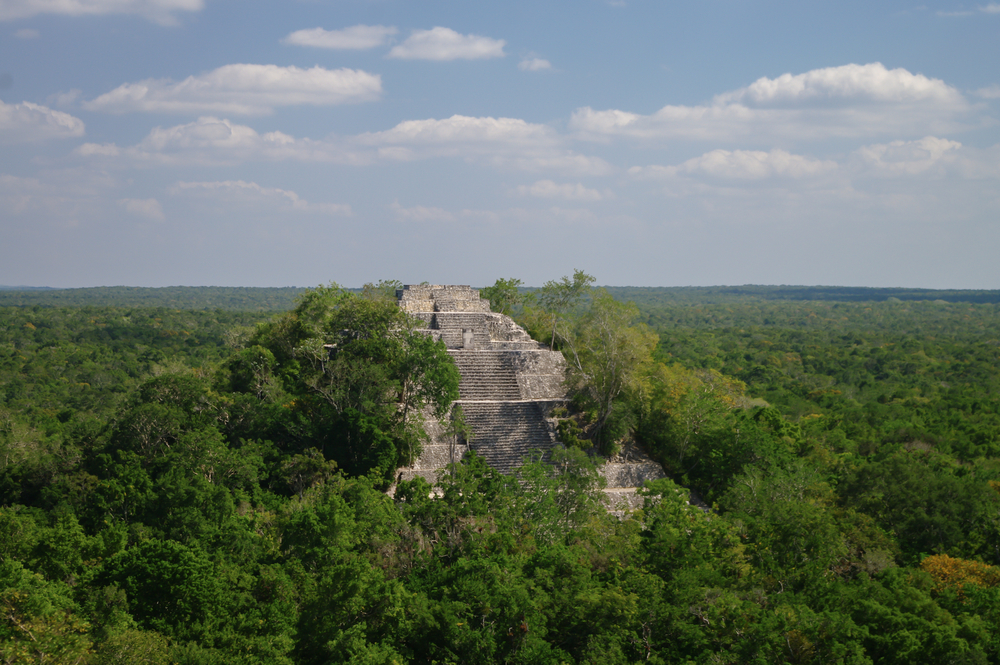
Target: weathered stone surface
{"type": "Point", "coordinates": [509, 386]}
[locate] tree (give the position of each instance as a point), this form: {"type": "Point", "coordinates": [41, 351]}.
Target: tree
{"type": "Point", "coordinates": [364, 372]}
{"type": "Point", "coordinates": [609, 356]}
{"type": "Point", "coordinates": [457, 431]}
{"type": "Point", "coordinates": [384, 290]}
{"type": "Point", "coordinates": [681, 404]}
{"type": "Point", "coordinates": [171, 588]}
{"type": "Point", "coordinates": [503, 295]}
{"type": "Point", "coordinates": [558, 297]}
{"type": "Point", "coordinates": [38, 620]}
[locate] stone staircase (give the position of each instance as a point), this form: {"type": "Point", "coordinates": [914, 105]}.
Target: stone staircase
{"type": "Point", "coordinates": [509, 382]}
{"type": "Point", "coordinates": [505, 433]}
{"type": "Point", "coordinates": [509, 386]}
{"type": "Point", "coordinates": [486, 375]}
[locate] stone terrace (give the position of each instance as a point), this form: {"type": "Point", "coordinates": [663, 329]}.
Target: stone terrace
{"type": "Point", "coordinates": [509, 385]}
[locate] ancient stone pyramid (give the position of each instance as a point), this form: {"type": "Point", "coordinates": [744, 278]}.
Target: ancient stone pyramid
{"type": "Point", "coordinates": [509, 386]}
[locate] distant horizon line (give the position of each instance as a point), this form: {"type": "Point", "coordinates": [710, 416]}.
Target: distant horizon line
{"type": "Point", "coordinates": [610, 286]}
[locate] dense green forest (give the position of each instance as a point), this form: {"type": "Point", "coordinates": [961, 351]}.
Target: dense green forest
{"type": "Point", "coordinates": [244, 299]}
{"type": "Point", "coordinates": [198, 480]}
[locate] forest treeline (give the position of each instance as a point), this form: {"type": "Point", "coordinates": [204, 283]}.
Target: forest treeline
{"type": "Point", "coordinates": [231, 298]}
{"type": "Point", "coordinates": [280, 299]}
{"type": "Point", "coordinates": [192, 485]}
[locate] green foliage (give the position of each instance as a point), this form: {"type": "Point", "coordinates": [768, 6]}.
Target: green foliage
{"type": "Point", "coordinates": [384, 290]}
{"type": "Point", "coordinates": [172, 589]}
{"type": "Point", "coordinates": [556, 298]}
{"type": "Point", "coordinates": [930, 511]}
{"type": "Point", "coordinates": [569, 434]}
{"type": "Point", "coordinates": [504, 295]}
{"type": "Point", "coordinates": [609, 357]}
{"type": "Point", "coordinates": [202, 499]}
{"type": "Point", "coordinates": [238, 299]}
{"type": "Point", "coordinates": [38, 619]}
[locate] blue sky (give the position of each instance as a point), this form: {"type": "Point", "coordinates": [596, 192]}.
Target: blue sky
{"type": "Point", "coordinates": [204, 142]}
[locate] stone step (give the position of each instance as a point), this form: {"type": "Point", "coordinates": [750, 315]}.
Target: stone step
{"type": "Point", "coordinates": [504, 433]}
{"type": "Point", "coordinates": [486, 375]}
{"type": "Point", "coordinates": [460, 320]}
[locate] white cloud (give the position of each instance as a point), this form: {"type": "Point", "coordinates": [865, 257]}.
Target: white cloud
{"type": "Point", "coordinates": [205, 132]}
{"type": "Point", "coordinates": [847, 101]}
{"type": "Point", "coordinates": [566, 162]}
{"type": "Point", "coordinates": [67, 98]}
{"type": "Point", "coordinates": [212, 141]}
{"type": "Point", "coordinates": [534, 64]}
{"type": "Point", "coordinates": [909, 157]}
{"type": "Point", "coordinates": [149, 208]}
{"type": "Point", "coordinates": [421, 213]}
{"type": "Point", "coordinates": [242, 89]}
{"type": "Point", "coordinates": [26, 33]}
{"type": "Point", "coordinates": [250, 193]}
{"type": "Point", "coordinates": [160, 11]}
{"type": "Point", "coordinates": [26, 122]}
{"type": "Point", "coordinates": [989, 92]}
{"type": "Point", "coordinates": [547, 189]}
{"type": "Point", "coordinates": [97, 150]}
{"type": "Point", "coordinates": [463, 129]}
{"type": "Point", "coordinates": [742, 165]}
{"type": "Point", "coordinates": [506, 143]}
{"type": "Point", "coordinates": [992, 8]}
{"type": "Point", "coordinates": [355, 37]}
{"type": "Point", "coordinates": [445, 44]}
{"type": "Point", "coordinates": [845, 84]}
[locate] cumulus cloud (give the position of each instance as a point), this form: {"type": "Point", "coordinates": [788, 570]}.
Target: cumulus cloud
{"type": "Point", "coordinates": [547, 189]}
{"type": "Point", "coordinates": [463, 129]}
{"type": "Point", "coordinates": [214, 141]}
{"type": "Point", "coordinates": [846, 101]}
{"type": "Point", "coordinates": [506, 143]}
{"type": "Point", "coordinates": [742, 165]}
{"type": "Point", "coordinates": [250, 193]}
{"type": "Point", "coordinates": [148, 208]}
{"type": "Point", "coordinates": [27, 122]}
{"type": "Point", "coordinates": [243, 90]}
{"type": "Point", "coordinates": [160, 11]}
{"type": "Point", "coordinates": [445, 44]}
{"type": "Point", "coordinates": [355, 37]}
{"type": "Point", "coordinates": [909, 157]}
{"type": "Point", "coordinates": [534, 64]}
{"type": "Point", "coordinates": [843, 85]}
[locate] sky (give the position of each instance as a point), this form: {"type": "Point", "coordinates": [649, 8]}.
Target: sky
{"type": "Point", "coordinates": [649, 143]}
